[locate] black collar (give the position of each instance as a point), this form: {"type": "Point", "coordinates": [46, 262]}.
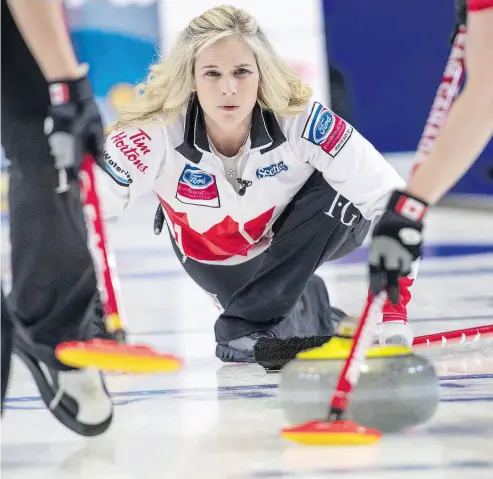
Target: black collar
{"type": "Point", "coordinates": [265, 133]}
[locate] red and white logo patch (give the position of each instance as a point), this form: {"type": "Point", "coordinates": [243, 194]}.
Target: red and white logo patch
{"type": "Point", "coordinates": [338, 136]}
{"type": "Point", "coordinates": [410, 208]}
{"type": "Point", "coordinates": [197, 187]}
{"type": "Point", "coordinates": [326, 129]}
{"type": "Point", "coordinates": [59, 93]}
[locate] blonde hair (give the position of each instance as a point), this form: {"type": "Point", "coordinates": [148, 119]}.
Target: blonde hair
{"type": "Point", "coordinates": [169, 84]}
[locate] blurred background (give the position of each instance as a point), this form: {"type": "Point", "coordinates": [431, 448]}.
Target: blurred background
{"type": "Point", "coordinates": [378, 64]}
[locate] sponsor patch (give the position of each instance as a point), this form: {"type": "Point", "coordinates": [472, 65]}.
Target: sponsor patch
{"type": "Point", "coordinates": [197, 187]}
{"type": "Point", "coordinates": [271, 170]}
{"type": "Point", "coordinates": [326, 129]}
{"type": "Point", "coordinates": [410, 208]}
{"type": "Point", "coordinates": [59, 93]}
{"type": "Point", "coordinates": [119, 174]}
{"type": "Point", "coordinates": [133, 147]}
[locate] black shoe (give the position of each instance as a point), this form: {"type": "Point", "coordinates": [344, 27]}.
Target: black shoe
{"type": "Point", "coordinates": [77, 398]}
{"type": "Point", "coordinates": [241, 350]}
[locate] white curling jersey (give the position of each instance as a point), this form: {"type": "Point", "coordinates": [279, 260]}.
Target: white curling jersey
{"type": "Point", "coordinates": [214, 222]}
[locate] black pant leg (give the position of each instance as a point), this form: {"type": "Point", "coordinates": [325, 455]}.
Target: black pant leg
{"type": "Point", "coordinates": [219, 281]}
{"type": "Point", "coordinates": [317, 225]}
{"type": "Point", "coordinates": [53, 280]}
{"type": "Point", "coordinates": [6, 353]}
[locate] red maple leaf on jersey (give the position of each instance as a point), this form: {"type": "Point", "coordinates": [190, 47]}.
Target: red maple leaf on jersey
{"type": "Point", "coordinates": [222, 241]}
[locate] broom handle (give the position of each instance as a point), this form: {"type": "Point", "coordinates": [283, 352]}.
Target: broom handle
{"type": "Point", "coordinates": [103, 260]}
{"type": "Point", "coordinates": [444, 97]}
{"type": "Point", "coordinates": [363, 339]}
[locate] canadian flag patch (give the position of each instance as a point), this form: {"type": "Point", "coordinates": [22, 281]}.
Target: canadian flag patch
{"type": "Point", "coordinates": [59, 93]}
{"type": "Point", "coordinates": [410, 208]}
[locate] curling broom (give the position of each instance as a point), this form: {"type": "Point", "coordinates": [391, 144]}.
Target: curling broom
{"type": "Point", "coordinates": [109, 355]}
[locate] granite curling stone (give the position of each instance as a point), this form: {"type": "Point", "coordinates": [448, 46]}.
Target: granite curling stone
{"type": "Point", "coordinates": [396, 390]}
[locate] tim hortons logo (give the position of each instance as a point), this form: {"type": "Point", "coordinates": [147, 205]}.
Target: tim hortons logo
{"type": "Point", "coordinates": [133, 147]}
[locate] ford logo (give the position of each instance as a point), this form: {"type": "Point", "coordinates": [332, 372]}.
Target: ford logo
{"type": "Point", "coordinates": [197, 179]}
{"type": "Point", "coordinates": [322, 126]}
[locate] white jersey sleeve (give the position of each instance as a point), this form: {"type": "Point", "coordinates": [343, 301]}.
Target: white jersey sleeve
{"type": "Point", "coordinates": [349, 162]}
{"type": "Point", "coordinates": [134, 158]}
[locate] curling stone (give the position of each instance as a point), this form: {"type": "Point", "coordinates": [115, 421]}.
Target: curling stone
{"type": "Point", "coordinates": [396, 389]}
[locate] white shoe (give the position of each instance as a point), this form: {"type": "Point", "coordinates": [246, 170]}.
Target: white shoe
{"type": "Point", "coordinates": [389, 332]}
{"type": "Point", "coordinates": [395, 332]}
{"type": "Point", "coordinates": [77, 398]}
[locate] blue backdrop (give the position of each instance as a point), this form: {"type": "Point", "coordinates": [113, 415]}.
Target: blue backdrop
{"type": "Point", "coordinates": [393, 55]}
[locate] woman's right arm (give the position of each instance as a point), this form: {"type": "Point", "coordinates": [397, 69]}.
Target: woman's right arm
{"type": "Point", "coordinates": [134, 158]}
{"type": "Point", "coordinates": [469, 125]}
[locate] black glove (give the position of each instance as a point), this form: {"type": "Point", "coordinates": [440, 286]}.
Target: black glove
{"type": "Point", "coordinates": [73, 127]}
{"type": "Point", "coordinates": [460, 17]}
{"type": "Point", "coordinates": [396, 243]}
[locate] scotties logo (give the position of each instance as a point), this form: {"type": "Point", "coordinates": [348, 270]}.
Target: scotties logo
{"type": "Point", "coordinates": [271, 170]}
